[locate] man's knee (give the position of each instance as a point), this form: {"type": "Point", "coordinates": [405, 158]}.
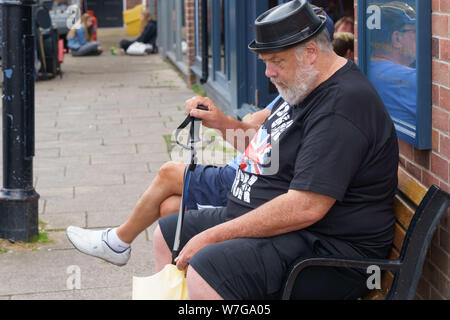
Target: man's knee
{"type": "Point", "coordinates": [170, 205]}
{"type": "Point", "coordinates": [172, 171]}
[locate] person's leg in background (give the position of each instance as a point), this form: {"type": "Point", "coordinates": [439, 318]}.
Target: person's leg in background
{"type": "Point", "coordinates": [124, 44]}
{"type": "Point", "coordinates": [89, 49]}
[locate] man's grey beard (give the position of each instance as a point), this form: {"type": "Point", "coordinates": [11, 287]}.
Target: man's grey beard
{"type": "Point", "coordinates": [302, 86]}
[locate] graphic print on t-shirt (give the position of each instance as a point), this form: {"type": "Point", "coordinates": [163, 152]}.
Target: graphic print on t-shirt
{"type": "Point", "coordinates": [242, 185]}
{"type": "Point", "coordinates": [282, 123]}
{"type": "Point", "coordinates": [261, 156]}
{"type": "Point", "coordinates": [257, 153]}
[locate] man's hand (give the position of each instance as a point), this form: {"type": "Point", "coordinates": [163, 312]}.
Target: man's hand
{"type": "Point", "coordinates": [237, 133]}
{"type": "Point", "coordinates": [213, 118]}
{"type": "Point", "coordinates": [194, 245]}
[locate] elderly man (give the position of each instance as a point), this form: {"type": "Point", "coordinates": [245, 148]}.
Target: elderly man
{"type": "Point", "coordinates": [318, 179]}
{"type": "Point", "coordinates": [208, 187]}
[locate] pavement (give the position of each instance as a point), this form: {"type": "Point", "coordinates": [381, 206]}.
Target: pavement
{"type": "Point", "coordinates": [99, 143]}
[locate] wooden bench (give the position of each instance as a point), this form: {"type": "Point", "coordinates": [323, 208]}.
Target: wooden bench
{"type": "Point", "coordinates": [418, 212]}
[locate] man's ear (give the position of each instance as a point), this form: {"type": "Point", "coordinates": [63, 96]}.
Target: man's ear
{"type": "Point", "coordinates": [311, 52]}
{"type": "Point", "coordinates": [395, 39]}
{"type": "Point", "coordinates": [349, 54]}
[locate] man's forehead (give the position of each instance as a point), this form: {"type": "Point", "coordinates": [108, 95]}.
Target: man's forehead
{"type": "Point", "coordinates": [276, 55]}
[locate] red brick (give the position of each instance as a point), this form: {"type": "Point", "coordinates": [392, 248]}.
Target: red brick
{"type": "Point", "coordinates": [444, 98]}
{"type": "Point", "coordinates": [439, 258]}
{"type": "Point", "coordinates": [444, 147]}
{"type": "Point", "coordinates": [435, 94]}
{"type": "Point", "coordinates": [414, 170]}
{"type": "Point", "coordinates": [435, 5]}
{"type": "Point", "coordinates": [435, 140]}
{"type": "Point", "coordinates": [435, 48]}
{"type": "Point", "coordinates": [406, 149]}
{"type": "Point", "coordinates": [428, 179]}
{"type": "Point", "coordinates": [440, 119]}
{"type": "Point", "coordinates": [444, 6]}
{"type": "Point", "coordinates": [444, 49]}
{"type": "Point", "coordinates": [440, 73]}
{"type": "Point", "coordinates": [435, 71]}
{"type": "Point", "coordinates": [439, 166]}
{"type": "Point", "coordinates": [439, 25]}
{"type": "Point", "coordinates": [422, 158]}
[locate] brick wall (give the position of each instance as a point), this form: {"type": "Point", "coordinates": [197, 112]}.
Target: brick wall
{"type": "Point", "coordinates": [433, 166]}
{"type": "Point", "coordinates": [190, 38]}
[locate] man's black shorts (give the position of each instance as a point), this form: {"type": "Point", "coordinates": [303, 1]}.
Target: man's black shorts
{"type": "Point", "coordinates": [256, 268]}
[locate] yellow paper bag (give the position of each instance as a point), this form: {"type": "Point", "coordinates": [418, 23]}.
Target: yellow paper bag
{"type": "Point", "coordinates": [168, 284]}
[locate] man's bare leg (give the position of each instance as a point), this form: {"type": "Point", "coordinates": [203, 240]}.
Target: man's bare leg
{"type": "Point", "coordinates": [167, 183]}
{"type": "Point", "coordinates": [198, 288]}
{"type": "Point", "coordinates": [170, 205]}
{"type": "Point", "coordinates": [163, 254]}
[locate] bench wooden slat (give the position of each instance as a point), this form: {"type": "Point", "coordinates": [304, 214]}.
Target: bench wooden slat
{"type": "Point", "coordinates": [399, 235]}
{"type": "Point", "coordinates": [410, 186]}
{"type": "Point", "coordinates": [403, 212]}
{"type": "Point", "coordinates": [375, 295]}
{"type": "Point", "coordinates": [387, 279]}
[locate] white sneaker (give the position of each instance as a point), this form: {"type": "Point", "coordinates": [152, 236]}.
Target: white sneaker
{"type": "Point", "coordinates": [93, 242]}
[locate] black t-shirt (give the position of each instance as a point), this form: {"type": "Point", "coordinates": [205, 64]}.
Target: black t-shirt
{"type": "Point", "coordinates": [149, 33]}
{"type": "Point", "coordinates": [339, 142]}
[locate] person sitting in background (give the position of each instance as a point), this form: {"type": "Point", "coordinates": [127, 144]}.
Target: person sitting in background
{"type": "Point", "coordinates": [148, 32]}
{"type": "Point", "coordinates": [344, 44]}
{"type": "Point", "coordinates": [392, 68]}
{"type": "Point", "coordinates": [80, 38]}
{"type": "Point", "coordinates": [345, 24]}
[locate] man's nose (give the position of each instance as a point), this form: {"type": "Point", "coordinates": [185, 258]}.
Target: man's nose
{"type": "Point", "coordinates": [270, 72]}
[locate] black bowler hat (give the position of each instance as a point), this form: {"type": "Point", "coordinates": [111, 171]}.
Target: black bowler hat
{"type": "Point", "coordinates": [285, 26]}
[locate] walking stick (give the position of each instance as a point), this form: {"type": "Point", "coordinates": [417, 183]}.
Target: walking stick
{"type": "Point", "coordinates": [194, 137]}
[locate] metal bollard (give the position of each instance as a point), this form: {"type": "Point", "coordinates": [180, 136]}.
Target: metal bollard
{"type": "Point", "coordinates": [18, 199]}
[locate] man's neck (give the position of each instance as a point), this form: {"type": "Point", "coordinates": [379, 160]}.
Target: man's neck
{"type": "Point", "coordinates": [397, 58]}
{"type": "Point", "coordinates": [328, 65]}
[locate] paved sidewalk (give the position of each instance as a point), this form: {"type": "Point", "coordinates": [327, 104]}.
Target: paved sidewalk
{"type": "Point", "coordinates": [99, 142]}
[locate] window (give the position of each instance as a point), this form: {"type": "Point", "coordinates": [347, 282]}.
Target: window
{"type": "Point", "coordinates": [396, 56]}
{"type": "Point", "coordinates": [217, 36]}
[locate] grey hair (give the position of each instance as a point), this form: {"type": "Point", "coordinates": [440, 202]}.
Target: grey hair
{"type": "Point", "coordinates": [323, 41]}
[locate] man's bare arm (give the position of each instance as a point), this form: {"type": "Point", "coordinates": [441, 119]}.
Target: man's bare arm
{"type": "Point", "coordinates": [289, 212]}
{"type": "Point", "coordinates": [238, 133]}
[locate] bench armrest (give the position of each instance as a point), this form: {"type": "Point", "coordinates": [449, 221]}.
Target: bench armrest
{"type": "Point", "coordinates": [384, 264]}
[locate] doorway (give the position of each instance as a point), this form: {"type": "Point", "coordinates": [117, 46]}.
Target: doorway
{"type": "Point", "coordinates": [107, 12]}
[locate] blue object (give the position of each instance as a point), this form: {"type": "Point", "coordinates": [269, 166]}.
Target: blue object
{"type": "Point", "coordinates": [397, 86]}
{"type": "Point", "coordinates": [78, 40]}
{"type": "Point", "coordinates": [329, 25]}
